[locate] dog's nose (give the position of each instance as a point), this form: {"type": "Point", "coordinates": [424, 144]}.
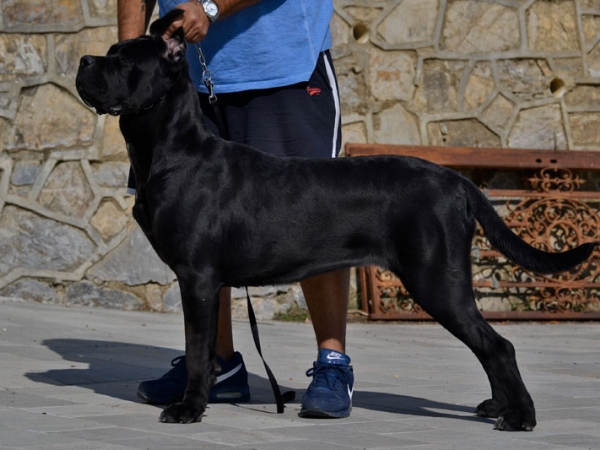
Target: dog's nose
{"type": "Point", "coordinates": [86, 60]}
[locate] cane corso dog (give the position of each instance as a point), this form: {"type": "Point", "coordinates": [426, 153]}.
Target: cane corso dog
{"type": "Point", "coordinates": [223, 214]}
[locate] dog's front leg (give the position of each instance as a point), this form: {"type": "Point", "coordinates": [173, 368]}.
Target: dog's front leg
{"type": "Point", "coordinates": [200, 302]}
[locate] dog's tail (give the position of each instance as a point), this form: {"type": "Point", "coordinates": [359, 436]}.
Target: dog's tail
{"type": "Point", "coordinates": [516, 249]}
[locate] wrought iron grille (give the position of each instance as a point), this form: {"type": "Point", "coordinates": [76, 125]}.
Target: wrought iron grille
{"type": "Point", "coordinates": [556, 211]}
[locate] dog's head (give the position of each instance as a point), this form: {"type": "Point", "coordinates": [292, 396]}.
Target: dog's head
{"type": "Point", "coordinates": [135, 74]}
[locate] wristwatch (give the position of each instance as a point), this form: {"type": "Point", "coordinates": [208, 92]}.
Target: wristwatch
{"type": "Point", "coordinates": [211, 9]}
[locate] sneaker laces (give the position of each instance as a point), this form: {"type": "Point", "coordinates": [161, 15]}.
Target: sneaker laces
{"type": "Point", "coordinates": [329, 374]}
{"type": "Point", "coordinates": [179, 369]}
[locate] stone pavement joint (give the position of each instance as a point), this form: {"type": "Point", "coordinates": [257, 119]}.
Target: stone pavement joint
{"type": "Point", "coordinates": [69, 377]}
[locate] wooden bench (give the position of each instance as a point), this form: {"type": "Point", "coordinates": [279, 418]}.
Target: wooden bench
{"type": "Point", "coordinates": [550, 198]}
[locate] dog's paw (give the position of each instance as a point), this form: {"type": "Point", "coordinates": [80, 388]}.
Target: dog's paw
{"type": "Point", "coordinates": [181, 413]}
{"type": "Point", "coordinates": [490, 408]}
{"type": "Point", "coordinates": [513, 420]}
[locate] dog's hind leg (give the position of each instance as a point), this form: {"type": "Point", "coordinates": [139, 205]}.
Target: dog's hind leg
{"type": "Point", "coordinates": [447, 295]}
{"type": "Point", "coordinates": [200, 301]}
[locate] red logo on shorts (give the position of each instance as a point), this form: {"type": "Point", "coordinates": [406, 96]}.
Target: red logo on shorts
{"type": "Point", "coordinates": [313, 91]}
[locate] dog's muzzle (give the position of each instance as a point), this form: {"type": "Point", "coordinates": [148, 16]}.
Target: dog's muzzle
{"type": "Point", "coordinates": [86, 77]}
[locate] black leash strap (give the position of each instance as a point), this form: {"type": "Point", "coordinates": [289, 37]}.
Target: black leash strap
{"type": "Point", "coordinates": [280, 399]}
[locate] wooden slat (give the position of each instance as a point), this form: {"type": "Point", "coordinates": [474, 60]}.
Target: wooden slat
{"type": "Point", "coordinates": [489, 158]}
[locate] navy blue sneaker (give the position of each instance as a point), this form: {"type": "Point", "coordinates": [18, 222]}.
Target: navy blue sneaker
{"type": "Point", "coordinates": [232, 381]}
{"type": "Point", "coordinates": [330, 392]}
{"type": "Point", "coordinates": [231, 385]}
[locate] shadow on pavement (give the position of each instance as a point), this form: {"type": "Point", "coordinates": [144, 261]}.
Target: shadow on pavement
{"type": "Point", "coordinates": [115, 368]}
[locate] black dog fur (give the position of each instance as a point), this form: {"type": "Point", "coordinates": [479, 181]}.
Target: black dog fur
{"type": "Point", "coordinates": [223, 214]}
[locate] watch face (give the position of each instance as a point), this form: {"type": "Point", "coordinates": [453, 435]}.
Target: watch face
{"type": "Point", "coordinates": [211, 9]}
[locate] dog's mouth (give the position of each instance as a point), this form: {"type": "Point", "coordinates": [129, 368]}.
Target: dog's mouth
{"type": "Point", "coordinates": [114, 110]}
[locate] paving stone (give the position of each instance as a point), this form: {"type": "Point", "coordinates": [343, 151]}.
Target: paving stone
{"type": "Point", "coordinates": [415, 387]}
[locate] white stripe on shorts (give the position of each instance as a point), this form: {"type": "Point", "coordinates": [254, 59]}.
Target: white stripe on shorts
{"type": "Point", "coordinates": [336, 102]}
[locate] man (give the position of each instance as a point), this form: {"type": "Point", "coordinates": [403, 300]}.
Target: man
{"type": "Point", "coordinates": [277, 92]}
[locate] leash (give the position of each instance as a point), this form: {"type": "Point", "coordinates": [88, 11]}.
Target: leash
{"type": "Point", "coordinates": [212, 97]}
{"type": "Point", "coordinates": [280, 399]}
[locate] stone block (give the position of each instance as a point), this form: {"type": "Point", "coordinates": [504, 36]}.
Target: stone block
{"type": "Point", "coordinates": [523, 77]}
{"type": "Point", "coordinates": [172, 299]}
{"type": "Point", "coordinates": [467, 133]}
{"type": "Point", "coordinates": [67, 190]}
{"type": "Point", "coordinates": [264, 308]}
{"type": "Point", "coordinates": [585, 129]}
{"type": "Point", "coordinates": [85, 293]}
{"type": "Point", "coordinates": [499, 111]}
{"type": "Point", "coordinates": [493, 304]}
{"type": "Point", "coordinates": [111, 174]}
{"type": "Point", "coordinates": [9, 100]}
{"type": "Point", "coordinates": [396, 125]}
{"type": "Point", "coordinates": [113, 143]}
{"type": "Point", "coordinates": [391, 74]}
{"type": "Point", "coordinates": [109, 220]}
{"type": "Point", "coordinates": [412, 21]}
{"type": "Point", "coordinates": [439, 87]}
{"type": "Point", "coordinates": [591, 27]}
{"type": "Point", "coordinates": [355, 132]}
{"type": "Point", "coordinates": [30, 241]}
{"type": "Point", "coordinates": [25, 172]}
{"type": "Point", "coordinates": [105, 9]}
{"type": "Point", "coordinates": [41, 12]}
{"type": "Point", "coordinates": [69, 48]}
{"type": "Point", "coordinates": [349, 66]}
{"type": "Point", "coordinates": [22, 56]}
{"type": "Point", "coordinates": [363, 13]}
{"type": "Point", "coordinates": [552, 26]}
{"type": "Point", "coordinates": [31, 289]}
{"type": "Point", "coordinates": [480, 86]}
{"type": "Point", "coordinates": [154, 298]}
{"type": "Point", "coordinates": [593, 61]}
{"type": "Point", "coordinates": [49, 117]}
{"type": "Point", "coordinates": [340, 31]}
{"type": "Point", "coordinates": [133, 262]}
{"type": "Point", "coordinates": [584, 97]}
{"type": "Point", "coordinates": [540, 128]}
{"type": "Point", "coordinates": [472, 26]}
{"type": "Point", "coordinates": [568, 67]}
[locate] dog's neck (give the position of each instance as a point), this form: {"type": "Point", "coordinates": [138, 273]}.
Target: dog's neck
{"type": "Point", "coordinates": [147, 142]}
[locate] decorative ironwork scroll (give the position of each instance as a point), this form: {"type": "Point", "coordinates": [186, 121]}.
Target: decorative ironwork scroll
{"type": "Point", "coordinates": [555, 215]}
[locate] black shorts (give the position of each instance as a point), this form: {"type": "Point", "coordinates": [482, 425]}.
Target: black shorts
{"type": "Point", "coordinates": [302, 120]}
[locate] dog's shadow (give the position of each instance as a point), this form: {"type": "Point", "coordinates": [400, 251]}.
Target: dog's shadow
{"type": "Point", "coordinates": [114, 369]}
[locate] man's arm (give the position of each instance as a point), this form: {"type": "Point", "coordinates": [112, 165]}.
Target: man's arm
{"type": "Point", "coordinates": [195, 23]}
{"type": "Point", "coordinates": [133, 17]}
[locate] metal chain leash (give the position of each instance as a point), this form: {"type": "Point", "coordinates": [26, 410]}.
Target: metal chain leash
{"type": "Point", "coordinates": [206, 76]}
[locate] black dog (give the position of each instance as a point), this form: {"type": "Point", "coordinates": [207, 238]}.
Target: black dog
{"type": "Point", "coordinates": [223, 214]}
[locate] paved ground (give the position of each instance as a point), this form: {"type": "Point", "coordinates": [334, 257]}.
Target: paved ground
{"type": "Point", "coordinates": [68, 378]}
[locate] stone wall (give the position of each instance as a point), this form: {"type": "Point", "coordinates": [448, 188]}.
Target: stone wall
{"type": "Point", "coordinates": [508, 73]}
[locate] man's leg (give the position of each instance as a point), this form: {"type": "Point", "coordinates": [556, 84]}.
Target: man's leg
{"type": "Point", "coordinates": [225, 349]}
{"type": "Point", "coordinates": [330, 392]}
{"type": "Point", "coordinates": [327, 300]}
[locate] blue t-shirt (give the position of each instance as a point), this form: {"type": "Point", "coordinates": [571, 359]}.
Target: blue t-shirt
{"type": "Point", "coordinates": [272, 43]}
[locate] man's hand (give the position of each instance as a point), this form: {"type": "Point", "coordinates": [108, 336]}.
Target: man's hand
{"type": "Point", "coordinates": [194, 21]}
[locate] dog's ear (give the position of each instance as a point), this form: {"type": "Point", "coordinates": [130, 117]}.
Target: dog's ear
{"type": "Point", "coordinates": [175, 45]}
{"type": "Point", "coordinates": [158, 27]}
